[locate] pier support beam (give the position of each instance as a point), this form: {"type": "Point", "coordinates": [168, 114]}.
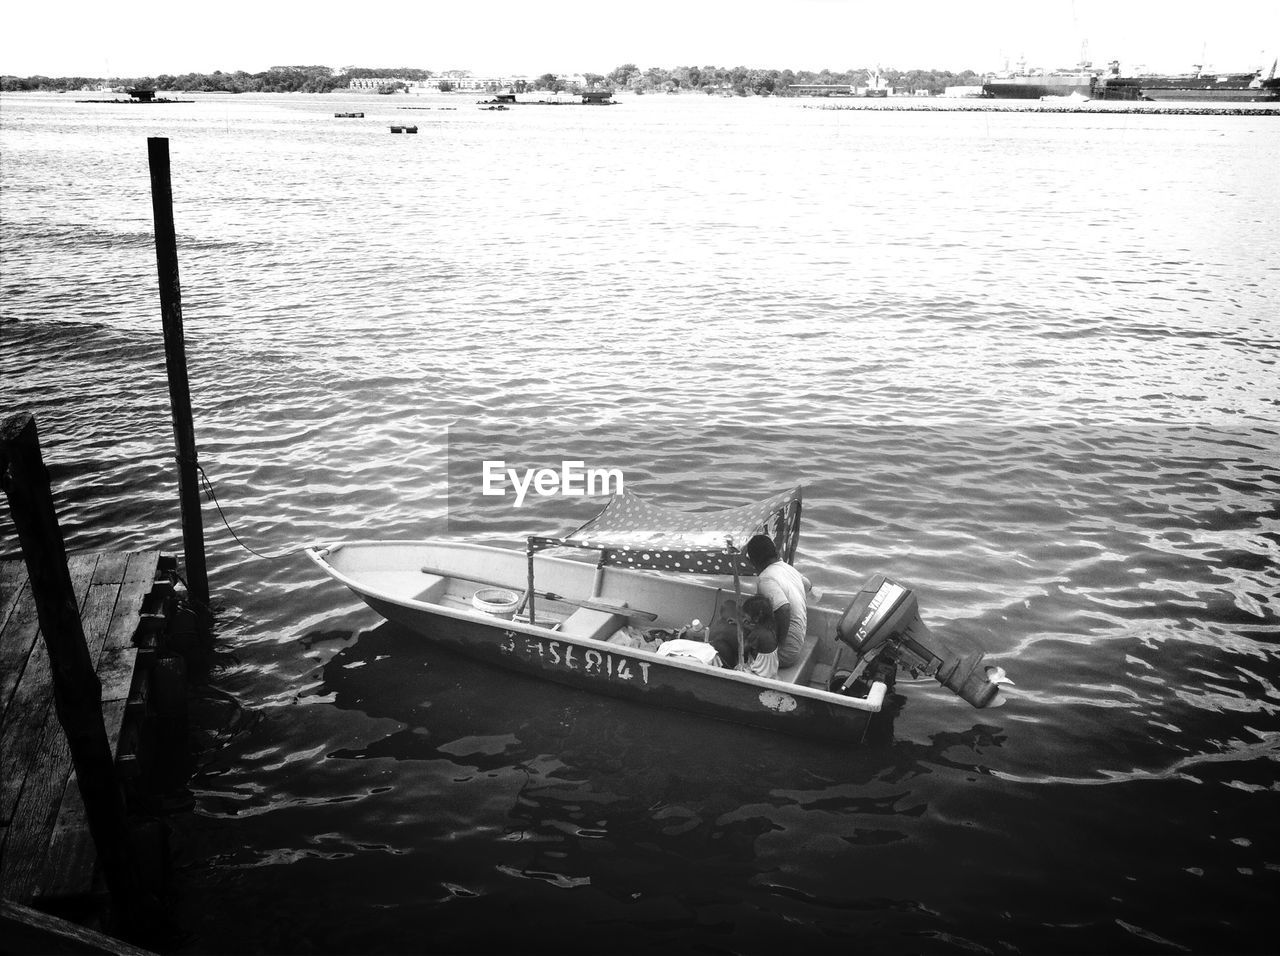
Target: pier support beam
{"type": "Point", "coordinates": [175, 356]}
{"type": "Point", "coordinates": [76, 689]}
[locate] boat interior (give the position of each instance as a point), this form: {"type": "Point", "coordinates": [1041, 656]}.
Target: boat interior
{"type": "Point", "coordinates": [571, 597]}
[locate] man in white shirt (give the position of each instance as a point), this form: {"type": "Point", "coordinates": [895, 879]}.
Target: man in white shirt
{"type": "Point", "coordinates": [784, 586]}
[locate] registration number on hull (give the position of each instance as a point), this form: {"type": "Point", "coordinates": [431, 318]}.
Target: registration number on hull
{"type": "Point", "coordinates": [571, 657]}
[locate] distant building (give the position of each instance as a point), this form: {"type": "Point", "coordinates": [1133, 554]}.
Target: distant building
{"type": "Point", "coordinates": [464, 81]}
{"type": "Point", "coordinates": [385, 82]}
{"type": "Point", "coordinates": [821, 89]}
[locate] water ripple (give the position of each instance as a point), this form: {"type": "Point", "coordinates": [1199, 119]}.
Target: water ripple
{"type": "Point", "coordinates": [1029, 390]}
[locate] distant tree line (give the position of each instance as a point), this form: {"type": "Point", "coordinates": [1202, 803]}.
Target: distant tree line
{"type": "Point", "coordinates": [277, 79]}
{"type": "Point", "coordinates": [739, 80]}
{"type": "Point", "coordinates": [745, 81]}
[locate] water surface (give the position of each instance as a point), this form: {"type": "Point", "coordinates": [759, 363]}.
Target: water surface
{"type": "Point", "coordinates": [1024, 362]}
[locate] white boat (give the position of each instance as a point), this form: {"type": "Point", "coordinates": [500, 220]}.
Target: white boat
{"type": "Point", "coordinates": [609, 626]}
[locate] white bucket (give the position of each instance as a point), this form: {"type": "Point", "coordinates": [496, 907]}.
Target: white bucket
{"type": "Point", "coordinates": [496, 601]}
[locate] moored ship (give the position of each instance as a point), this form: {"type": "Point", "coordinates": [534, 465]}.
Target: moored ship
{"type": "Point", "coordinates": [1025, 84]}
{"type": "Point", "coordinates": [1213, 87]}
{"type": "Point", "coordinates": [1112, 86]}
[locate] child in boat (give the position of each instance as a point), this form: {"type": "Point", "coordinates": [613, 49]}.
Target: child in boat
{"type": "Point", "coordinates": [726, 650]}
{"type": "Point", "coordinates": [724, 624]}
{"type": "Point", "coordinates": [759, 637]}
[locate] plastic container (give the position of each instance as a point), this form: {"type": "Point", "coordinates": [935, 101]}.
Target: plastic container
{"type": "Point", "coordinates": [693, 632]}
{"type": "Point", "coordinates": [496, 601]}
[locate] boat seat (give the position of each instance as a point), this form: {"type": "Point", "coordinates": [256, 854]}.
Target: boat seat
{"type": "Point", "coordinates": [410, 584]}
{"type": "Point", "coordinates": [588, 622]}
{"type": "Point", "coordinates": [791, 674]}
{"type": "Point", "coordinates": [433, 587]}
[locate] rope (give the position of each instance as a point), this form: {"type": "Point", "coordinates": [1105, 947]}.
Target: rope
{"type": "Point", "coordinates": [208, 487]}
{"type": "Point", "coordinates": [176, 577]}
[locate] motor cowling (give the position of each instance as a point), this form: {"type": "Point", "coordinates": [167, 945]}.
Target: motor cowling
{"type": "Point", "coordinates": [883, 621]}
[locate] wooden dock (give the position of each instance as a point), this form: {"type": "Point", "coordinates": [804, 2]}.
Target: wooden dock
{"type": "Point", "coordinates": [47, 857]}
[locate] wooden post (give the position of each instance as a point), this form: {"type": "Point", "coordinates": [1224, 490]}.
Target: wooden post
{"type": "Point", "coordinates": [175, 357]}
{"type": "Point", "coordinates": [77, 693]}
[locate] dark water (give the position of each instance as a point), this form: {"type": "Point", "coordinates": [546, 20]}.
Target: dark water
{"type": "Point", "coordinates": [1025, 363]}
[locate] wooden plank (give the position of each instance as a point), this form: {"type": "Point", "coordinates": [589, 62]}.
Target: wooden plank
{"type": "Point", "coordinates": [67, 870]}
{"type": "Point", "coordinates": [128, 739]}
{"type": "Point", "coordinates": [110, 568]}
{"type": "Point", "coordinates": [131, 572]}
{"type": "Point", "coordinates": [82, 564]}
{"type": "Point", "coordinates": [27, 930]}
{"type": "Point", "coordinates": [115, 671]}
{"type": "Point", "coordinates": [143, 566]}
{"type": "Point", "coordinates": [36, 815]}
{"type": "Point", "coordinates": [35, 812]}
{"type": "Point", "coordinates": [12, 573]}
{"type": "Point", "coordinates": [17, 637]}
{"type": "Point", "coordinates": [68, 867]}
{"type": "Point", "coordinates": [118, 663]}
{"type": "Point", "coordinates": [96, 615]}
{"type": "Point", "coordinates": [13, 578]}
{"type": "Point", "coordinates": [31, 702]}
{"type": "Point", "coordinates": [47, 849]}
{"type": "Point", "coordinates": [113, 713]}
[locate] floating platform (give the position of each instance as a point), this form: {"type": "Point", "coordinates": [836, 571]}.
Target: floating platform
{"type": "Point", "coordinates": [588, 98]}
{"type": "Point", "coordinates": [139, 96]}
{"type": "Point", "coordinates": [404, 129]}
{"type": "Point", "coordinates": [126, 602]}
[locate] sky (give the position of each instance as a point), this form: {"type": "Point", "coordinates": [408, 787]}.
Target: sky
{"type": "Point", "coordinates": [100, 39]}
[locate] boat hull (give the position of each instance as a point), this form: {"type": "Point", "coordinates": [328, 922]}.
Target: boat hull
{"type": "Point", "coordinates": [1211, 88]}
{"type": "Point", "coordinates": [1118, 88]}
{"type": "Point", "coordinates": [635, 675]}
{"type": "Point", "coordinates": [1033, 88]}
{"type": "Point", "coordinates": [1209, 95]}
{"type": "Point", "coordinates": [403, 583]}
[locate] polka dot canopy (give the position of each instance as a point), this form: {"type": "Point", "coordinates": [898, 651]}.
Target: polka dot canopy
{"type": "Point", "coordinates": [635, 533]}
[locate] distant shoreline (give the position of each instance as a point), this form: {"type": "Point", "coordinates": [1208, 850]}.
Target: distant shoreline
{"type": "Point", "coordinates": [1033, 106]}
{"type": "Point", "coordinates": [904, 104]}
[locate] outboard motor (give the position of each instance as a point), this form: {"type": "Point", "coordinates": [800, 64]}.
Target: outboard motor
{"type": "Point", "coordinates": [883, 623]}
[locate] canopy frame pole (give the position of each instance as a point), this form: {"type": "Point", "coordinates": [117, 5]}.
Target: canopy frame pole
{"type": "Point", "coordinates": [529, 549]}
{"type": "Point", "coordinates": [737, 593]}
{"type": "Point", "coordinates": [597, 582]}
{"type": "Point", "coordinates": [791, 526]}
